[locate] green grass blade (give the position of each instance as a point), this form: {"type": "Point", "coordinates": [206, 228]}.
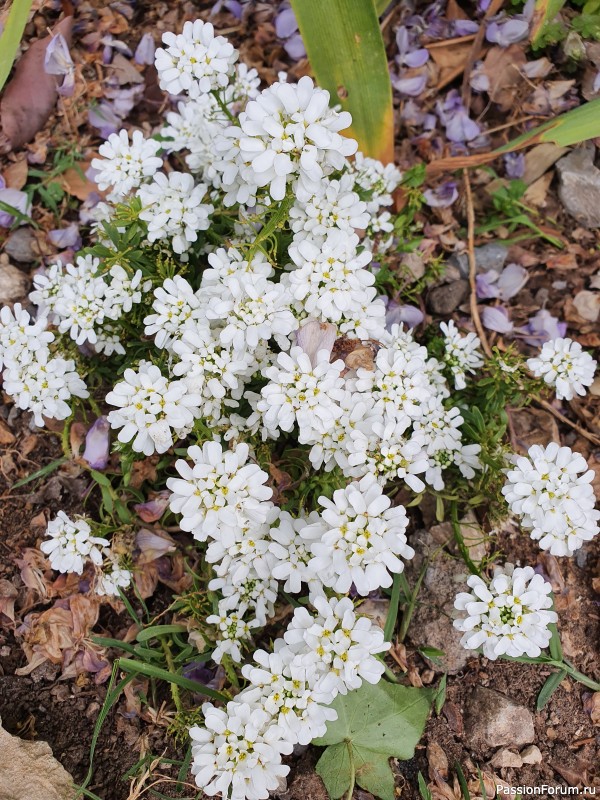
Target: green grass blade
{"type": "Point", "coordinates": [150, 671]}
{"type": "Point", "coordinates": [574, 126]}
{"type": "Point", "coordinates": [11, 36]}
{"type": "Point", "coordinates": [40, 473]}
{"type": "Point", "coordinates": [347, 55]}
{"type": "Point", "coordinates": [550, 686]}
{"type": "Point", "coordinates": [543, 13]}
{"type": "Point", "coordinates": [159, 630]}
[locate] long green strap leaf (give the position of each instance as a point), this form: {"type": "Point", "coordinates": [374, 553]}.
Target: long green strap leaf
{"type": "Point", "coordinates": [150, 671]}
{"type": "Point", "coordinates": [11, 36]}
{"type": "Point", "coordinates": [543, 14]}
{"type": "Point", "coordinates": [347, 55]}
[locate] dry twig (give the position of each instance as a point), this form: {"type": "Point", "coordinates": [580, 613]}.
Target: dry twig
{"type": "Point", "coordinates": [473, 266]}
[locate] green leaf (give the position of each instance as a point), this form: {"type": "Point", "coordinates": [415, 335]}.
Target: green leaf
{"type": "Point", "coordinates": [543, 13]}
{"type": "Point", "coordinates": [423, 788]}
{"type": "Point", "coordinates": [11, 36]}
{"type": "Point", "coordinates": [381, 5]}
{"type": "Point", "coordinates": [150, 671]}
{"type": "Point", "coordinates": [335, 770]}
{"type": "Point", "coordinates": [159, 630]}
{"type": "Point", "coordinates": [440, 694]}
{"type": "Point", "coordinates": [40, 473]}
{"type": "Point", "coordinates": [551, 684]}
{"type": "Point", "coordinates": [373, 773]}
{"type": "Point", "coordinates": [374, 723]}
{"type": "Point", "coordinates": [347, 55]}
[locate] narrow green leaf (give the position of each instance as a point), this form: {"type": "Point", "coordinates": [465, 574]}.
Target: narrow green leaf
{"type": "Point", "coordinates": [462, 781]}
{"type": "Point", "coordinates": [150, 671]}
{"type": "Point", "coordinates": [347, 55]}
{"type": "Point", "coordinates": [440, 695]}
{"type": "Point", "coordinates": [381, 5]}
{"type": "Point", "coordinates": [11, 36]}
{"type": "Point", "coordinates": [555, 646]}
{"type": "Point", "coordinates": [40, 473]}
{"type": "Point", "coordinates": [423, 788]}
{"type": "Point", "coordinates": [159, 630]}
{"type": "Point", "coordinates": [551, 684]}
{"type": "Point", "coordinates": [544, 12]}
{"type": "Point", "coordinates": [105, 641]}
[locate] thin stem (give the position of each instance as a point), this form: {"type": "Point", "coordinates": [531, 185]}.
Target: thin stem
{"type": "Point", "coordinates": [222, 106]}
{"type": "Point", "coordinates": [460, 542]}
{"type": "Point", "coordinates": [473, 265]}
{"type": "Point", "coordinates": [175, 693]}
{"type": "Point", "coordinates": [64, 438]}
{"type": "Point", "coordinates": [275, 221]}
{"type": "Point", "coordinates": [390, 622]}
{"type": "Point", "coordinates": [410, 608]}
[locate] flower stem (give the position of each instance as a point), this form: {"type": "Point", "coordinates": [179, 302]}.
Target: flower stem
{"type": "Point", "coordinates": [175, 693]}
{"type": "Point", "coordinates": [275, 221]}
{"type": "Point", "coordinates": [352, 770]}
{"type": "Point", "coordinates": [460, 542]}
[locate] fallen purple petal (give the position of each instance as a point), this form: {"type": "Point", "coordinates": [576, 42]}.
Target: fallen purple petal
{"type": "Point", "coordinates": [411, 87]}
{"type": "Point", "coordinates": [509, 32]}
{"type": "Point", "coordinates": [512, 279]}
{"type": "Point", "coordinates": [495, 318]}
{"type": "Point", "coordinates": [15, 199]}
{"type": "Point", "coordinates": [103, 118]}
{"type": "Point", "coordinates": [397, 314]}
{"type": "Point", "coordinates": [152, 510]}
{"type": "Point", "coordinates": [285, 23]}
{"type": "Point", "coordinates": [58, 61]}
{"type": "Point", "coordinates": [442, 196]}
{"type": "Point", "coordinates": [514, 164]}
{"type": "Point", "coordinates": [486, 284]}
{"type": "Point", "coordinates": [97, 444]}
{"type": "Point", "coordinates": [542, 327]}
{"type": "Point", "coordinates": [144, 52]}
{"type": "Point", "coordinates": [66, 237]}
{"type": "Point", "coordinates": [294, 47]}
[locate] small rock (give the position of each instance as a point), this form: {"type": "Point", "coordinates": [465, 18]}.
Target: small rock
{"type": "Point", "coordinates": [14, 284]}
{"type": "Point", "coordinates": [506, 758]}
{"type": "Point", "coordinates": [579, 188]}
{"type": "Point", "coordinates": [29, 771]}
{"type": "Point", "coordinates": [492, 719]}
{"type": "Point", "coordinates": [488, 256]}
{"type": "Point", "coordinates": [531, 755]}
{"type": "Point", "coordinates": [446, 298]}
{"type": "Point", "coordinates": [21, 246]}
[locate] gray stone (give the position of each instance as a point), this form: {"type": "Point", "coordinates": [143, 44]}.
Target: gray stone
{"type": "Point", "coordinates": [446, 298]}
{"type": "Point", "coordinates": [493, 720]}
{"type": "Point", "coordinates": [506, 758]}
{"type": "Point", "coordinates": [14, 284]}
{"type": "Point", "coordinates": [21, 246]}
{"type": "Point", "coordinates": [488, 256]}
{"type": "Point", "coordinates": [29, 771]}
{"type": "Point", "coordinates": [531, 755]}
{"type": "Point", "coordinates": [579, 188]}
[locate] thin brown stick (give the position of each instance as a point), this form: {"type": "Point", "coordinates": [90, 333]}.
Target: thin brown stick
{"type": "Point", "coordinates": [449, 42]}
{"type": "Point", "coordinates": [561, 418]}
{"type": "Point", "coordinates": [493, 8]}
{"type": "Point", "coordinates": [473, 266]}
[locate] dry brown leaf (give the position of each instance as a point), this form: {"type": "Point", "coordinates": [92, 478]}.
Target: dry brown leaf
{"type": "Point", "coordinates": [539, 159]}
{"type": "Point", "coordinates": [31, 95]}
{"type": "Point", "coordinates": [143, 471]}
{"type": "Point", "coordinates": [74, 182]}
{"type": "Point", "coordinates": [595, 709]}
{"type": "Point", "coordinates": [502, 67]}
{"type": "Point", "coordinates": [8, 595]}
{"type": "Point", "coordinates": [15, 174]}
{"type": "Point", "coordinates": [6, 436]}
{"type": "Point", "coordinates": [537, 193]}
{"type": "Point", "coordinates": [562, 261]}
{"type": "Point", "coordinates": [437, 760]}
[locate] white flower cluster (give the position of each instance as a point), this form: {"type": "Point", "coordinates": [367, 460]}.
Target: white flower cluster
{"type": "Point", "coordinates": [71, 546]}
{"type": "Point", "coordinates": [462, 353]}
{"type": "Point", "coordinates": [37, 380]}
{"type": "Point", "coordinates": [508, 617]}
{"type": "Point", "coordinates": [550, 490]}
{"type": "Point", "coordinates": [238, 750]}
{"type": "Point", "coordinates": [85, 304]}
{"type": "Point", "coordinates": [564, 365]}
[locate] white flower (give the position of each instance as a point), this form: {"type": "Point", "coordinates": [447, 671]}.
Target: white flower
{"type": "Point", "coordinates": [173, 209]}
{"type": "Point", "coordinates": [291, 555]}
{"type": "Point", "coordinates": [231, 263]}
{"type": "Point", "coordinates": [237, 753]}
{"type": "Point", "coordinates": [195, 61]}
{"type": "Point", "coordinates": [462, 353]}
{"type": "Point", "coordinates": [253, 309]}
{"type": "Point", "coordinates": [283, 687]}
{"type": "Point", "coordinates": [112, 577]}
{"type": "Point", "coordinates": [358, 538]}
{"type": "Point", "coordinates": [388, 453]}
{"type": "Point", "coordinates": [232, 631]}
{"type": "Point", "coordinates": [508, 617]}
{"type": "Point", "coordinates": [124, 166]}
{"type": "Point", "coordinates": [71, 544]}
{"type": "Point", "coordinates": [340, 646]}
{"type": "Point", "coordinates": [194, 127]}
{"type": "Point", "coordinates": [379, 181]}
{"type": "Point", "coordinates": [220, 492]}
{"type": "Point", "coordinates": [210, 370]}
{"type": "Point", "coordinates": [563, 364]}
{"type": "Point", "coordinates": [288, 131]}
{"type": "Point", "coordinates": [175, 302]}
{"type": "Point", "coordinates": [333, 205]}
{"type": "Point", "coordinates": [330, 280]}
{"type": "Point", "coordinates": [551, 491]}
{"type": "Point", "coordinates": [255, 596]}
{"type": "Point", "coordinates": [300, 392]}
{"type": "Point", "coordinates": [21, 337]}
{"type": "Point", "coordinates": [44, 386]}
{"type": "Point", "coordinates": [151, 410]}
